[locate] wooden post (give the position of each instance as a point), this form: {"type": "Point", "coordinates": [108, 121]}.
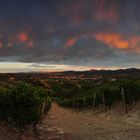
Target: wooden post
{"type": "Point", "coordinates": [104, 102]}
{"type": "Point", "coordinates": [124, 100]}
{"type": "Point", "coordinates": [84, 99]}
{"type": "Point", "coordinates": [94, 99]}
{"type": "Point", "coordinates": [43, 109]}
{"type": "Point", "coordinates": [74, 103]}
{"type": "Point", "coordinates": [77, 104]}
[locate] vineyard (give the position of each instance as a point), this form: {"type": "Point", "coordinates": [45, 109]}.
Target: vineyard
{"type": "Point", "coordinates": [22, 104]}
{"type": "Point", "coordinates": [124, 92]}
{"type": "Point", "coordinates": [26, 103]}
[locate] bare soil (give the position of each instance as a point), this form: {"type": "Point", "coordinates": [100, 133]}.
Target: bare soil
{"type": "Point", "coordinates": [89, 125]}
{"type": "Point", "coordinates": [68, 124]}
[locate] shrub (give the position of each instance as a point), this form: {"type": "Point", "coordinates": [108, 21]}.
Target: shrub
{"type": "Point", "coordinates": [22, 105]}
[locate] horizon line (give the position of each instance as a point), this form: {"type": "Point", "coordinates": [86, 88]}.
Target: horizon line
{"type": "Point", "coordinates": [57, 71]}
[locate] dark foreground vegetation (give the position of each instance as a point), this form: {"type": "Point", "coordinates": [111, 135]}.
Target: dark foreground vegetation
{"type": "Point", "coordinates": [22, 104]}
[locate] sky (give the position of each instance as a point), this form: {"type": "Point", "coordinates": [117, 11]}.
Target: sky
{"type": "Point", "coordinates": [59, 35]}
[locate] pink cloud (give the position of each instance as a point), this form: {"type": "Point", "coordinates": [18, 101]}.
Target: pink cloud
{"type": "Point", "coordinates": [23, 37]}
{"type": "Point", "coordinates": [113, 40]}
{"type": "Point", "coordinates": [71, 41]}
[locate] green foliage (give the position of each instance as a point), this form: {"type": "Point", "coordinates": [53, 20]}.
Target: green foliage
{"type": "Point", "coordinates": [131, 90]}
{"type": "Point", "coordinates": [111, 94]}
{"type": "Point", "coordinates": [22, 104]}
{"type": "Point", "coordinates": [107, 93]}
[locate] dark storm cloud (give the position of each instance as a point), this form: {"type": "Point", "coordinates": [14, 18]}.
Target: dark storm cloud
{"type": "Point", "coordinates": [86, 32]}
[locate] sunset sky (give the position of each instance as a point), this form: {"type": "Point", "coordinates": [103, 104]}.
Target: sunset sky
{"type": "Point", "coordinates": [57, 35]}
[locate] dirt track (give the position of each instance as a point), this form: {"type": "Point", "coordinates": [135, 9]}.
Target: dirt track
{"type": "Point", "coordinates": [66, 124]}
{"type": "Point", "coordinates": [87, 126]}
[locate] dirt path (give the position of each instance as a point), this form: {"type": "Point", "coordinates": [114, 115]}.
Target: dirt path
{"type": "Point", "coordinates": [86, 126]}
{"type": "Point", "coordinates": [67, 124]}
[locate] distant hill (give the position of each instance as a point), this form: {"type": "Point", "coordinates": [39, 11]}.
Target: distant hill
{"type": "Point", "coordinates": [119, 72]}
{"type": "Point", "coordinates": [104, 72]}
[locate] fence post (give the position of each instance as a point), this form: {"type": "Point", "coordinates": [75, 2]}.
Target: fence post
{"type": "Point", "coordinates": [104, 102]}
{"type": "Point", "coordinates": [74, 103]}
{"type": "Point", "coordinates": [124, 100]}
{"type": "Point", "coordinates": [94, 99]}
{"type": "Point", "coordinates": [77, 104]}
{"type": "Point", "coordinates": [84, 99]}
